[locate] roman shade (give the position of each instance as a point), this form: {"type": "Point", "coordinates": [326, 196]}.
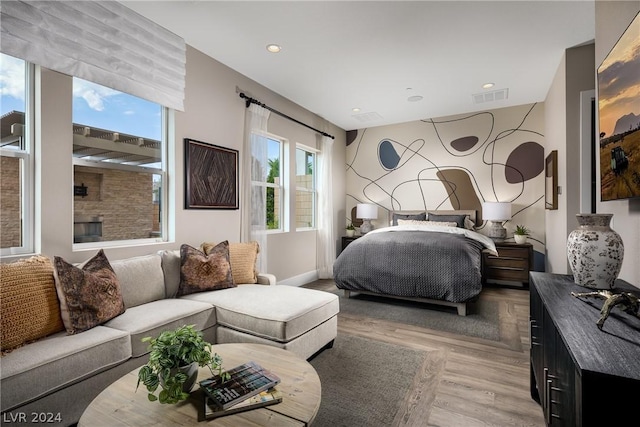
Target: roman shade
{"type": "Point", "coordinates": [100, 41]}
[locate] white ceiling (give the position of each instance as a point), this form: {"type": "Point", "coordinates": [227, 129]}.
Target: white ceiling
{"type": "Point", "coordinates": [338, 55]}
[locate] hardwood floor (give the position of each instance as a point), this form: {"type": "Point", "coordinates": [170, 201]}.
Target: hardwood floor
{"type": "Point", "coordinates": [479, 382]}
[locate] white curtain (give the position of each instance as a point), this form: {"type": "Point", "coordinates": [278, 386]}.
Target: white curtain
{"type": "Point", "coordinates": [326, 242]}
{"type": "Point", "coordinates": [101, 41]}
{"type": "Point", "coordinates": [255, 167]}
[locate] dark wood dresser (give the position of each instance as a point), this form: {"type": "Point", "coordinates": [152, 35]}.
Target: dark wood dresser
{"type": "Point", "coordinates": [582, 376]}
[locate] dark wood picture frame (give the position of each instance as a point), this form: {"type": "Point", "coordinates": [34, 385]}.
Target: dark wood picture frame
{"type": "Point", "coordinates": [211, 176]}
{"type": "Point", "coordinates": [551, 181]}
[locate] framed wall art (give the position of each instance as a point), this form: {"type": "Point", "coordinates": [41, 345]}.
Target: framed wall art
{"type": "Point", "coordinates": [211, 176]}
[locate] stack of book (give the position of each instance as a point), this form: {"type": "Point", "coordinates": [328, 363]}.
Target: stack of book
{"type": "Point", "coordinates": [245, 387]}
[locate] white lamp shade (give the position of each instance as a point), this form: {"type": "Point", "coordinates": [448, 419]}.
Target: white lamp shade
{"type": "Point", "coordinates": [366, 211]}
{"type": "Point", "coordinates": [496, 211]}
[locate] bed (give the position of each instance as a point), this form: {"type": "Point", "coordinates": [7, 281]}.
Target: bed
{"type": "Point", "coordinates": [427, 256]}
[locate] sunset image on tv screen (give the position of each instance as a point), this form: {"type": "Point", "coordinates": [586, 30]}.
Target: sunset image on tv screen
{"type": "Point", "coordinates": [619, 117]}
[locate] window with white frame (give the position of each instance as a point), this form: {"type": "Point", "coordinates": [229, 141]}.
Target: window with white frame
{"type": "Point", "coordinates": [306, 195]}
{"type": "Point", "coordinates": [274, 184]}
{"type": "Point", "coordinates": [16, 155]}
{"type": "Point", "coordinates": [119, 172]}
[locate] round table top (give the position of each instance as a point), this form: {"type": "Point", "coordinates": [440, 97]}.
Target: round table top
{"type": "Point", "coordinates": [120, 404]}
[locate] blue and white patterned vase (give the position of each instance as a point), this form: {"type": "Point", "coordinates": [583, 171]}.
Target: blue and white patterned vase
{"type": "Point", "coordinates": [595, 252]}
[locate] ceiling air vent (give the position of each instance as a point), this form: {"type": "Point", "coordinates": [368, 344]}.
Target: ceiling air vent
{"type": "Point", "coordinates": [367, 117]}
{"type": "Point", "coordinates": [494, 95]}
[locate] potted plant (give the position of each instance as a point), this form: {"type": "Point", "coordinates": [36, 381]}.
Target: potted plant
{"type": "Point", "coordinates": [351, 230]}
{"type": "Point", "coordinates": [520, 234]}
{"type": "Point", "coordinates": [174, 357]}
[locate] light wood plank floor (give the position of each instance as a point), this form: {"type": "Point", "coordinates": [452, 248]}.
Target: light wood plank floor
{"type": "Point", "coordinates": [477, 382]}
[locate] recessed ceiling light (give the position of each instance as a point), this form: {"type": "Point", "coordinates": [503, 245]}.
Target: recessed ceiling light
{"type": "Point", "coordinates": [488, 85]}
{"type": "Point", "coordinates": [414, 98]}
{"type": "Point", "coordinates": [273, 48]}
{"type": "Point", "coordinates": [355, 110]}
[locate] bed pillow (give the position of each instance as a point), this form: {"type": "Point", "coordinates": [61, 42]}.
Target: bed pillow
{"type": "Point", "coordinates": [243, 257]}
{"type": "Point", "coordinates": [417, 217]}
{"type": "Point", "coordinates": [89, 295]}
{"type": "Point", "coordinates": [29, 304]}
{"type": "Point", "coordinates": [469, 224]}
{"type": "Point", "coordinates": [436, 223]}
{"type": "Point", "coordinates": [458, 219]}
{"type": "Point", "coordinates": [200, 272]}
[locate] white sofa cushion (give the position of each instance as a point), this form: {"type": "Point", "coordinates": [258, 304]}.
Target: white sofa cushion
{"type": "Point", "coordinates": [278, 313]}
{"type": "Point", "coordinates": [141, 279]}
{"type": "Point", "coordinates": [155, 317]}
{"type": "Point", "coordinates": [59, 360]}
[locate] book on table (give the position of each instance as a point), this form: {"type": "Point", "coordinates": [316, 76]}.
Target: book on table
{"type": "Point", "coordinates": [241, 383]}
{"type": "Point", "coordinates": [262, 399]}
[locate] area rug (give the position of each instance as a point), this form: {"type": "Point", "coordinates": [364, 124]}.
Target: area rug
{"type": "Point", "coordinates": [364, 382]}
{"type": "Point", "coordinates": [481, 321]}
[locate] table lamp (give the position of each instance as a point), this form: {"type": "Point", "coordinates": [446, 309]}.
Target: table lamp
{"type": "Point", "coordinates": [497, 213]}
{"type": "Point", "coordinates": [366, 212]}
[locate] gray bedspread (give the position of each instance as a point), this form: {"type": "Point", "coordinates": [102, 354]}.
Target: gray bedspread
{"type": "Point", "coordinates": [423, 264]}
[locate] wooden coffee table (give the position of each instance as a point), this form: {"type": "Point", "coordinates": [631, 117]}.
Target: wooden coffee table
{"type": "Point", "coordinates": [120, 404]}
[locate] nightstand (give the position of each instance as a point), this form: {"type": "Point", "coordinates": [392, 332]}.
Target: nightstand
{"type": "Point", "coordinates": [346, 240]}
{"type": "Point", "coordinates": [513, 263]}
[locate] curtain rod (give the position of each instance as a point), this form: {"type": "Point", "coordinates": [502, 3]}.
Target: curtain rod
{"type": "Point", "coordinates": [249, 101]}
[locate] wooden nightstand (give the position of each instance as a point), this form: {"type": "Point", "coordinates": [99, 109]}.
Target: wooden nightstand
{"type": "Point", "coordinates": [513, 263]}
{"type": "Point", "coordinates": [346, 240]}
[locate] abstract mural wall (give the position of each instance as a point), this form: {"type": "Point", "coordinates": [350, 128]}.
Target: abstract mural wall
{"type": "Point", "coordinates": [454, 162]}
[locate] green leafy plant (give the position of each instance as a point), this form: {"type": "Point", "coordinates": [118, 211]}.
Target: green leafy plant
{"type": "Point", "coordinates": [521, 230]}
{"type": "Point", "coordinates": [170, 351]}
{"type": "Point", "coordinates": [350, 227]}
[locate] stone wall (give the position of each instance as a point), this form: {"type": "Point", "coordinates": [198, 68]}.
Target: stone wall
{"type": "Point", "coordinates": [124, 200]}
{"type": "Point", "coordinates": [10, 222]}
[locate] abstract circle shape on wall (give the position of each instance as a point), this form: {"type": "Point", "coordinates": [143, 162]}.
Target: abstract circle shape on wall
{"type": "Point", "coordinates": [351, 136]}
{"type": "Point", "coordinates": [526, 161]}
{"type": "Point", "coordinates": [465, 143]}
{"type": "Point", "coordinates": [388, 155]}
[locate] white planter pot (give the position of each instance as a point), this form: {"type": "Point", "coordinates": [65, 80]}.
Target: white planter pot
{"type": "Point", "coordinates": [595, 252]}
{"type": "Point", "coordinates": [520, 239]}
{"type": "Point", "coordinates": [350, 233]}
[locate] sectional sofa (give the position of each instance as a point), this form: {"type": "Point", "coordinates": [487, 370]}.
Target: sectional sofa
{"type": "Point", "coordinates": [56, 377]}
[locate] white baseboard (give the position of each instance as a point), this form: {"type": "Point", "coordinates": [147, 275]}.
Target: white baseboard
{"type": "Point", "coordinates": [299, 280]}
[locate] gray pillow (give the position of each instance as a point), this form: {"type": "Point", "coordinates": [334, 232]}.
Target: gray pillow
{"type": "Point", "coordinates": [458, 219]}
{"type": "Point", "coordinates": [417, 217]}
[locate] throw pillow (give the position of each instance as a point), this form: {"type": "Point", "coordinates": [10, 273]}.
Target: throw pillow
{"type": "Point", "coordinates": [200, 272]}
{"type": "Point", "coordinates": [28, 301]}
{"type": "Point", "coordinates": [458, 219]}
{"type": "Point", "coordinates": [89, 295]}
{"type": "Point", "coordinates": [418, 217]}
{"type": "Point", "coordinates": [243, 257]}
{"type": "Point", "coordinates": [436, 223]}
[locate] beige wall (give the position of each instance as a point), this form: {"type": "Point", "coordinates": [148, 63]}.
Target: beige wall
{"type": "Point", "coordinates": [612, 18]}
{"type": "Point", "coordinates": [213, 113]}
{"type": "Point", "coordinates": [562, 129]}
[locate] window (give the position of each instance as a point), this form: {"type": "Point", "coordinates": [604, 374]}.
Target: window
{"type": "Point", "coordinates": [305, 188]}
{"type": "Point", "coordinates": [119, 145]}
{"type": "Point", "coordinates": [16, 155]}
{"type": "Point", "coordinates": [274, 184]}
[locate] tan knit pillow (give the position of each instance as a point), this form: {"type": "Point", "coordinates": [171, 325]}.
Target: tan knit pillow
{"type": "Point", "coordinates": [30, 308]}
{"type": "Point", "coordinates": [243, 258]}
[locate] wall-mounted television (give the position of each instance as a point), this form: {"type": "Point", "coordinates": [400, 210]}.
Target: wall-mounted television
{"type": "Point", "coordinates": [619, 117]}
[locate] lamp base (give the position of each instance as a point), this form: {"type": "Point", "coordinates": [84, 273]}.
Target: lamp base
{"type": "Point", "coordinates": [366, 226]}
{"type": "Point", "coordinates": [497, 232]}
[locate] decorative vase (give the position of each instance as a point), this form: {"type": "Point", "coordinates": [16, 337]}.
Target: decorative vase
{"type": "Point", "coordinates": [520, 238]}
{"type": "Point", "coordinates": [595, 252]}
{"type": "Point", "coordinates": [350, 233]}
